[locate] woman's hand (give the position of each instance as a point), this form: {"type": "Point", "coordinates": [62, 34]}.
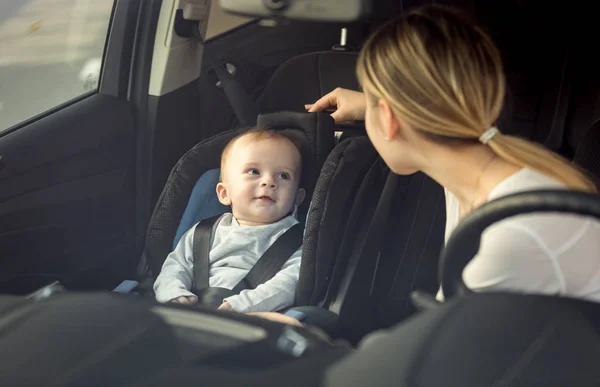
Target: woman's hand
{"type": "Point", "coordinates": [349, 105]}
{"type": "Point", "coordinates": [277, 317]}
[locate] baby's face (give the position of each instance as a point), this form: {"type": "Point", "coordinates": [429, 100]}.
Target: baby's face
{"type": "Point", "coordinates": [261, 180]}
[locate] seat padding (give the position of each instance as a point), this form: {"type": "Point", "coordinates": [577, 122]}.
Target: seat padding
{"type": "Point", "coordinates": [305, 78]}
{"type": "Point", "coordinates": [203, 203]}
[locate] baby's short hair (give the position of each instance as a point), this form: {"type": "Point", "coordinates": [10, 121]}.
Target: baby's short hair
{"type": "Point", "coordinates": [259, 134]}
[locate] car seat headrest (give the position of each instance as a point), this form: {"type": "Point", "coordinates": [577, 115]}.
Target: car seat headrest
{"type": "Point", "coordinates": [316, 133]}
{"type": "Point", "coordinates": [296, 126]}
{"type": "Point", "coordinates": [299, 126]}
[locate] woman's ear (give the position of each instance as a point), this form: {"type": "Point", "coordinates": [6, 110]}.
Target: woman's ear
{"type": "Point", "coordinates": [388, 120]}
{"type": "Point", "coordinates": [300, 196]}
{"type": "Point", "coordinates": [223, 195]}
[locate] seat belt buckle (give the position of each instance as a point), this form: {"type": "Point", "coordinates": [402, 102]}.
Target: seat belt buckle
{"type": "Point", "coordinates": [126, 287]}
{"type": "Point", "coordinates": [46, 291]}
{"type": "Point", "coordinates": [300, 316]}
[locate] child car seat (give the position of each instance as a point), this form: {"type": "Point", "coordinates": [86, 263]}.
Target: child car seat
{"type": "Point", "coordinates": [189, 194]}
{"type": "Point", "coordinates": [343, 205]}
{"type": "Point", "coordinates": [174, 214]}
{"type": "Point", "coordinates": [370, 239]}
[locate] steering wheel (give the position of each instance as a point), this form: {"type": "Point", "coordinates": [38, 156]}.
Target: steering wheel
{"type": "Point", "coordinates": [464, 242]}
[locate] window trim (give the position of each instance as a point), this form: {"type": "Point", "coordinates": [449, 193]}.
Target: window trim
{"type": "Point", "coordinates": [48, 112]}
{"type": "Point", "coordinates": [117, 60]}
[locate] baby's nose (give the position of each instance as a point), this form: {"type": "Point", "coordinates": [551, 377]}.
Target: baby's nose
{"type": "Point", "coordinates": [268, 182]}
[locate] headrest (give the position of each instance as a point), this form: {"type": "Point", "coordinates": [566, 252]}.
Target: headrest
{"type": "Point", "coordinates": [318, 138]}
{"type": "Point", "coordinates": [305, 78]}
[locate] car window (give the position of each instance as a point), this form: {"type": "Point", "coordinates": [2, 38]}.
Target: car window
{"type": "Point", "coordinates": [50, 53]}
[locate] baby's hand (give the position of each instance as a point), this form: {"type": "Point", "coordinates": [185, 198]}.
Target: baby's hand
{"type": "Point", "coordinates": [185, 300]}
{"type": "Point", "coordinates": [277, 317]}
{"type": "Point", "coordinates": [225, 306]}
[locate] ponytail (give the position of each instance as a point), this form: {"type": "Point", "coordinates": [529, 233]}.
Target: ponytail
{"type": "Point", "coordinates": [531, 155]}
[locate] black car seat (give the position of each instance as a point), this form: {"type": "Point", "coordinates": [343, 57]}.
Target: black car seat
{"type": "Point", "coordinates": [189, 194]}
{"type": "Point", "coordinates": [302, 79]}
{"type": "Point", "coordinates": [342, 208]}
{"type": "Point", "coordinates": [374, 236]}
{"type": "Point", "coordinates": [337, 268]}
{"type": "Point", "coordinates": [482, 339]}
{"type": "Point", "coordinates": [587, 151]}
{"type": "Point", "coordinates": [489, 338]}
{"type": "Point", "coordinates": [290, 88]}
{"type": "Point", "coordinates": [479, 340]}
{"type": "Point", "coordinates": [306, 78]}
{"type": "Point", "coordinates": [380, 264]}
{"type": "Point", "coordinates": [185, 200]}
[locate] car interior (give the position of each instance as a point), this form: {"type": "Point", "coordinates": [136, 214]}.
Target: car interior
{"type": "Point", "coordinates": [110, 144]}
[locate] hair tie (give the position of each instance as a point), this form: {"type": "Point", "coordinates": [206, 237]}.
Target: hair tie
{"type": "Point", "coordinates": [488, 135]}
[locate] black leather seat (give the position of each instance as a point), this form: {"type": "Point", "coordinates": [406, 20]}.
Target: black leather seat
{"type": "Point", "coordinates": [483, 340]}
{"type": "Point", "coordinates": [305, 78]}
{"type": "Point", "coordinates": [587, 151]}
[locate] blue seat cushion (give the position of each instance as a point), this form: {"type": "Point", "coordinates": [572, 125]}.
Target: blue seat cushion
{"type": "Point", "coordinates": [202, 204]}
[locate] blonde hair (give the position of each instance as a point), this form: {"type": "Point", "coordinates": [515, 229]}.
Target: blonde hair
{"type": "Point", "coordinates": [443, 75]}
{"type": "Point", "coordinates": [260, 134]}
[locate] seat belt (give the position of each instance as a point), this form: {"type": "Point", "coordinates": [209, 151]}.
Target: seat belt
{"type": "Point", "coordinates": [372, 242]}
{"type": "Point", "coordinates": [265, 268]}
{"type": "Point", "coordinates": [273, 259]}
{"type": "Point", "coordinates": [556, 136]}
{"type": "Point", "coordinates": [200, 249]}
{"type": "Point", "coordinates": [244, 107]}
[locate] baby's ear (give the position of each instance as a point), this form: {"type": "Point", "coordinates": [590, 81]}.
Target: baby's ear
{"type": "Point", "coordinates": [223, 195]}
{"type": "Point", "coordinates": [300, 196]}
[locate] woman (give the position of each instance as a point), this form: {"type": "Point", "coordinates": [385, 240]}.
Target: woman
{"type": "Point", "coordinates": [433, 90]}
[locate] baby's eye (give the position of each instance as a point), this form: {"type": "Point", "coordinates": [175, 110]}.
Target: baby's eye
{"type": "Point", "coordinates": [253, 171]}
{"type": "Point", "coordinates": [284, 176]}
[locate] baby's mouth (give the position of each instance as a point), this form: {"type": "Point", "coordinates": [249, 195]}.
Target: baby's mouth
{"type": "Point", "coordinates": [265, 198]}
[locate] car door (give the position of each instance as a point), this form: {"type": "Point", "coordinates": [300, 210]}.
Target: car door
{"type": "Point", "coordinates": [69, 182]}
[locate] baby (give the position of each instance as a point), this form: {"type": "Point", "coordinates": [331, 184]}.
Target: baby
{"type": "Point", "coordinates": [260, 180]}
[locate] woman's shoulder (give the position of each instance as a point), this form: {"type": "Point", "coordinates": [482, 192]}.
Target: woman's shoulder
{"type": "Point", "coordinates": [525, 179]}
{"type": "Point", "coordinates": [551, 230]}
